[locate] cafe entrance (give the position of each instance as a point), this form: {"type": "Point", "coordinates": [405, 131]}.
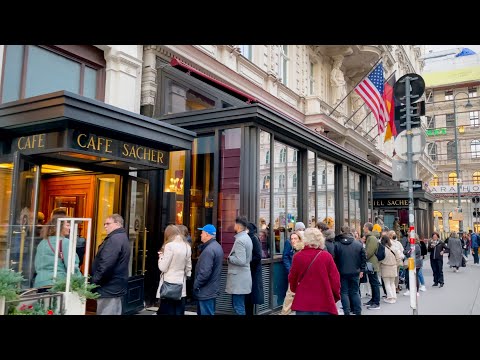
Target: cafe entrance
{"type": "Point", "coordinates": [89, 172]}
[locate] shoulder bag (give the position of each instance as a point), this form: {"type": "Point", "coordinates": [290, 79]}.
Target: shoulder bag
{"type": "Point", "coordinates": [301, 277]}
{"type": "Point", "coordinates": [172, 291]}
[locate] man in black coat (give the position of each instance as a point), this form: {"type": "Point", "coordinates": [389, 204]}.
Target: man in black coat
{"type": "Point", "coordinates": [256, 296]}
{"type": "Point", "coordinates": [350, 259]}
{"type": "Point", "coordinates": [110, 267]}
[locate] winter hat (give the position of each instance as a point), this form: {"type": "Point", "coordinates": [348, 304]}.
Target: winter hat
{"type": "Point", "coordinates": [299, 226]}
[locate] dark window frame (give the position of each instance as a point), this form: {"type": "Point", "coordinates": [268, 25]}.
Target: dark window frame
{"type": "Point", "coordinates": [85, 55]}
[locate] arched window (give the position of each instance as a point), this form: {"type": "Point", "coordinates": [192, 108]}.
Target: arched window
{"type": "Point", "coordinates": [434, 181]}
{"type": "Point", "coordinates": [451, 150]}
{"type": "Point", "coordinates": [314, 179]}
{"type": "Point", "coordinates": [475, 149]}
{"type": "Point", "coordinates": [476, 177]}
{"type": "Point", "coordinates": [452, 178]}
{"type": "Point", "coordinates": [432, 151]}
{"type": "Point", "coordinates": [267, 157]}
{"type": "Point", "coordinates": [281, 181]}
{"type": "Point", "coordinates": [294, 180]}
{"type": "Point", "coordinates": [283, 155]}
{"type": "Point", "coordinates": [266, 182]}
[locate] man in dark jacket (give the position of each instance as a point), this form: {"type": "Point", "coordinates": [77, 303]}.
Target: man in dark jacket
{"type": "Point", "coordinates": [206, 286]}
{"type": "Point", "coordinates": [256, 296]}
{"type": "Point", "coordinates": [350, 260]}
{"type": "Point", "coordinates": [110, 267]}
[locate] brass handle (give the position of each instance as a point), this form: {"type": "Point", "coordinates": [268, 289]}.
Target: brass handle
{"type": "Point", "coordinates": [22, 245]}
{"type": "Point", "coordinates": [145, 231]}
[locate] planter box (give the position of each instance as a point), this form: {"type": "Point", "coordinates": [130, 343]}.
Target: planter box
{"type": "Point", "coordinates": [74, 304]}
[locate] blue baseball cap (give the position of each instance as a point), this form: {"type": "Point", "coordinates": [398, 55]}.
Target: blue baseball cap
{"type": "Point", "coordinates": [210, 229]}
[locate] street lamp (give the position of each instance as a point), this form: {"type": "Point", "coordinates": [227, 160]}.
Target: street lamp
{"type": "Point", "coordinates": [457, 160]}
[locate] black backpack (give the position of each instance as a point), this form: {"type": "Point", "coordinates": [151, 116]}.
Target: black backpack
{"type": "Point", "coordinates": [380, 254]}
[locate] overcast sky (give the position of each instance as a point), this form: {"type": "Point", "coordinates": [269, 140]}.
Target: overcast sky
{"type": "Point", "coordinates": [475, 48]}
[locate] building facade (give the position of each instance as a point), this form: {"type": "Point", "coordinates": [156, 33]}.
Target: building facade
{"type": "Point", "coordinates": [452, 80]}
{"type": "Point", "coordinates": [273, 132]}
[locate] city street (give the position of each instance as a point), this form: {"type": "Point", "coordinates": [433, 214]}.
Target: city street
{"type": "Point", "coordinates": [459, 296]}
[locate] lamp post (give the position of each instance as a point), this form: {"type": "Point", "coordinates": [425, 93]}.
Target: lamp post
{"type": "Point", "coordinates": [457, 160]}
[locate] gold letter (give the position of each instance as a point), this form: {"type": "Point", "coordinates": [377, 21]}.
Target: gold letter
{"type": "Point", "coordinates": [78, 140]}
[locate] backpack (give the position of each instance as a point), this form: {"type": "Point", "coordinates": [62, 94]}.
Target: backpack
{"type": "Point", "coordinates": [380, 254]}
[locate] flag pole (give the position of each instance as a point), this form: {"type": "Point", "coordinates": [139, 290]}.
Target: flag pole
{"type": "Point", "coordinates": [373, 67]}
{"type": "Point", "coordinates": [361, 122]}
{"type": "Point", "coordinates": [393, 73]}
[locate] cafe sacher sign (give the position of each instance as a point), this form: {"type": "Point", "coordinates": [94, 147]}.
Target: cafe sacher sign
{"type": "Point", "coordinates": [390, 202]}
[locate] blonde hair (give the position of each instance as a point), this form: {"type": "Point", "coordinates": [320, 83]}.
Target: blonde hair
{"type": "Point", "coordinates": [313, 237]}
{"type": "Point", "coordinates": [377, 227]}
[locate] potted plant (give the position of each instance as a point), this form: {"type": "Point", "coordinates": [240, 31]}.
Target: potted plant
{"type": "Point", "coordinates": [9, 287]}
{"type": "Point", "coordinates": [75, 297]}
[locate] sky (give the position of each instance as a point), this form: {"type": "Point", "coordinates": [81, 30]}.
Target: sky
{"type": "Point", "coordinates": [475, 48]}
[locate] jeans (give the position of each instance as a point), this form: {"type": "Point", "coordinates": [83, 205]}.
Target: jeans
{"type": "Point", "coordinates": [420, 277]}
{"type": "Point", "coordinates": [437, 268]}
{"type": "Point", "coordinates": [206, 307]}
{"type": "Point", "coordinates": [109, 306]}
{"type": "Point", "coordinates": [375, 285]}
{"type": "Point", "coordinates": [475, 255]}
{"type": "Point", "coordinates": [238, 303]}
{"type": "Point", "coordinates": [350, 295]}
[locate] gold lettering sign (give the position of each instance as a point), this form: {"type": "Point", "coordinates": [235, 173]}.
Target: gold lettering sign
{"type": "Point", "coordinates": [390, 202]}
{"type": "Point", "coordinates": [31, 142]}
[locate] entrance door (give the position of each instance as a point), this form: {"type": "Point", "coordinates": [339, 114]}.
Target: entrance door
{"type": "Point", "coordinates": [137, 232]}
{"type": "Point", "coordinates": [24, 233]}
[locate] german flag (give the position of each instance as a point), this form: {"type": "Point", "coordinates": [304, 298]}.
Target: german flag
{"type": "Point", "coordinates": [390, 104]}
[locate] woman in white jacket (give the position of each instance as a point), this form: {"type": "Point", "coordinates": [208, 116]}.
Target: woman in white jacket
{"type": "Point", "coordinates": [175, 264]}
{"type": "Point", "coordinates": [388, 269]}
{"type": "Point", "coordinates": [397, 247]}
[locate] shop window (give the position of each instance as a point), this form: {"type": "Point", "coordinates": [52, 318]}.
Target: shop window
{"type": "Point", "coordinates": [182, 98]}
{"type": "Point", "coordinates": [312, 202]}
{"type": "Point", "coordinates": [174, 188]}
{"type": "Point", "coordinates": [264, 178]}
{"type": "Point", "coordinates": [31, 70]}
{"type": "Point", "coordinates": [476, 178]}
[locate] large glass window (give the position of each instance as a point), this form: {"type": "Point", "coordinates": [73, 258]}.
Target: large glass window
{"type": "Point", "coordinates": [354, 199]}
{"type": "Point", "coordinates": [292, 191]}
{"type": "Point", "coordinates": [321, 191]}
{"type": "Point", "coordinates": [174, 188]}
{"type": "Point", "coordinates": [264, 176]}
{"type": "Point", "coordinates": [33, 70]}
{"type": "Point", "coordinates": [229, 187]}
{"type": "Point", "coordinates": [5, 197]}
{"type": "Point", "coordinates": [201, 191]}
{"type": "Point", "coordinates": [311, 190]}
{"type": "Point", "coordinates": [330, 192]}
{"type": "Point", "coordinates": [346, 203]}
{"type": "Point", "coordinates": [279, 194]}
{"type": "Point", "coordinates": [181, 98]}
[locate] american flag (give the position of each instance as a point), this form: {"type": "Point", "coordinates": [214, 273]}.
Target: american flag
{"type": "Point", "coordinates": [370, 90]}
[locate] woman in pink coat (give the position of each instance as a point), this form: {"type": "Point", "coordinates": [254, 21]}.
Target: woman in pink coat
{"type": "Point", "coordinates": [314, 277]}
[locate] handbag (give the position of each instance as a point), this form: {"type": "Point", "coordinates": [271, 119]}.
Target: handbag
{"type": "Point", "coordinates": [171, 291]}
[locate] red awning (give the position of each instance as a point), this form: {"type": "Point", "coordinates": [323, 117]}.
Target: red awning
{"type": "Point", "coordinates": [211, 81]}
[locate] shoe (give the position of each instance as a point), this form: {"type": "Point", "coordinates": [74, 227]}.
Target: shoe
{"type": "Point", "coordinates": [456, 270]}
{"type": "Point", "coordinates": [368, 303]}
{"type": "Point", "coordinates": [435, 284]}
{"type": "Point", "coordinates": [406, 293]}
{"type": "Point", "coordinates": [389, 301]}
{"type": "Point", "coordinates": [441, 285]}
{"type": "Point", "coordinates": [423, 288]}
{"type": "Point", "coordinates": [373, 307]}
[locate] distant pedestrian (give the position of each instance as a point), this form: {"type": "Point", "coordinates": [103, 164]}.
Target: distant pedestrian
{"type": "Point", "coordinates": [475, 242]}
{"type": "Point", "coordinates": [454, 251]}
{"type": "Point", "coordinates": [437, 248]}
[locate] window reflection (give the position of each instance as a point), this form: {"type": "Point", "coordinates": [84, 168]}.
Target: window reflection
{"type": "Point", "coordinates": [264, 194]}
{"type": "Point", "coordinates": [180, 98]}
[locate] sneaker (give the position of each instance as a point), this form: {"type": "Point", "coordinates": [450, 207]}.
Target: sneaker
{"type": "Point", "coordinates": [368, 303]}
{"type": "Point", "coordinates": [406, 293]}
{"type": "Point", "coordinates": [435, 284]}
{"type": "Point", "coordinates": [423, 288]}
{"type": "Point", "coordinates": [456, 270]}
{"type": "Point", "coordinates": [373, 307]}
{"type": "Point", "coordinates": [441, 285]}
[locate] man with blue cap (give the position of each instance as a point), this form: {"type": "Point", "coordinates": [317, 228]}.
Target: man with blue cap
{"type": "Point", "coordinates": [206, 285]}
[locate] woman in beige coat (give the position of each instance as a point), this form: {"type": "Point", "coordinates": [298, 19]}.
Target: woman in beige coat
{"type": "Point", "coordinates": [175, 264]}
{"type": "Point", "coordinates": [388, 270]}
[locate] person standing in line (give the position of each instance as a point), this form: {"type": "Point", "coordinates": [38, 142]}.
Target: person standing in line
{"type": "Point", "coordinates": [239, 278]}
{"type": "Point", "coordinates": [329, 236]}
{"type": "Point", "coordinates": [371, 246]}
{"type": "Point", "coordinates": [206, 285]}
{"type": "Point", "coordinates": [417, 251]}
{"type": "Point", "coordinates": [314, 278]}
{"type": "Point", "coordinates": [110, 267]}
{"type": "Point", "coordinates": [475, 241]}
{"type": "Point", "coordinates": [300, 228]}
{"type": "Point", "coordinates": [175, 264]}
{"type": "Point", "coordinates": [467, 242]}
{"type": "Point", "coordinates": [291, 247]}
{"type": "Point", "coordinates": [350, 260]}
{"type": "Point", "coordinates": [256, 296]}
{"type": "Point", "coordinates": [437, 248]}
{"type": "Point", "coordinates": [388, 270]}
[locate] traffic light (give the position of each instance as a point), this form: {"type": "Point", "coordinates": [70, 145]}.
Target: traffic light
{"type": "Point", "coordinates": [416, 110]}
{"type": "Point", "coordinates": [476, 212]}
{"type": "Point", "coordinates": [476, 199]}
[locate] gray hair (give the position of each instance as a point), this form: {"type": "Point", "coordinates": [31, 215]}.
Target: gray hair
{"type": "Point", "coordinates": [313, 237]}
{"type": "Point", "coordinates": [369, 226]}
{"type": "Point", "coordinates": [345, 229]}
{"type": "Point", "coordinates": [117, 219]}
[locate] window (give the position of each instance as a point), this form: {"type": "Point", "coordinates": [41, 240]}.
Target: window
{"type": "Point", "coordinates": [295, 155]}
{"type": "Point", "coordinates": [267, 157]}
{"type": "Point", "coordinates": [266, 182]}
{"type": "Point", "coordinates": [452, 179]}
{"type": "Point", "coordinates": [449, 95]}
{"type": "Point", "coordinates": [475, 149]}
{"type": "Point", "coordinates": [34, 70]}
{"type": "Point", "coordinates": [281, 203]}
{"type": "Point", "coordinates": [432, 151]}
{"type": "Point", "coordinates": [429, 96]}
{"type": "Point", "coordinates": [283, 64]}
{"type": "Point", "coordinates": [472, 92]}
{"type": "Point", "coordinates": [283, 155]}
{"type": "Point", "coordinates": [294, 180]}
{"type": "Point", "coordinates": [431, 122]}
{"type": "Point", "coordinates": [450, 120]}
{"type": "Point", "coordinates": [294, 202]}
{"type": "Point", "coordinates": [281, 181]}
{"type": "Point", "coordinates": [263, 203]}
{"type": "Point", "coordinates": [312, 79]}
{"type": "Point", "coordinates": [476, 177]}
{"type": "Point", "coordinates": [314, 180]}
{"type": "Point", "coordinates": [434, 181]}
{"type": "Point", "coordinates": [474, 118]}
{"type": "Point", "coordinates": [451, 150]}
{"type": "Point", "coordinates": [324, 177]}
{"type": "Point", "coordinates": [246, 50]}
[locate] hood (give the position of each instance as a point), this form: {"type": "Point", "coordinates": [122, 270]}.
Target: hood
{"type": "Point", "coordinates": [329, 234]}
{"type": "Point", "coordinates": [345, 238]}
{"type": "Point", "coordinates": [252, 229]}
{"type": "Point", "coordinates": [375, 233]}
